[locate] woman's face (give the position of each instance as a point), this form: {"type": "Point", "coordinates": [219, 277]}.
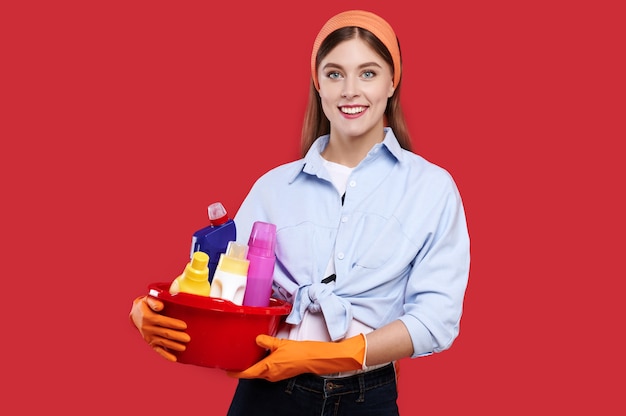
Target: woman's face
{"type": "Point", "coordinates": [354, 85]}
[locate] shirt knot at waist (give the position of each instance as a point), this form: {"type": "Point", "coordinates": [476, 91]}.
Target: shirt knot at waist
{"type": "Point", "coordinates": [318, 297]}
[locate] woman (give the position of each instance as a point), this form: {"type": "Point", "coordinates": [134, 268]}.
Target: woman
{"type": "Point", "coordinates": [372, 243]}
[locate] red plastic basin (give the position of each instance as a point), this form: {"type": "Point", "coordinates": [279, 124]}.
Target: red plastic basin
{"type": "Point", "coordinates": [222, 334]}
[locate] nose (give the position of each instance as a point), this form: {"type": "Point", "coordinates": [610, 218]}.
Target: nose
{"type": "Point", "coordinates": [349, 88]}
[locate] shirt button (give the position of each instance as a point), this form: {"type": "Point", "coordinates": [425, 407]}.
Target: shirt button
{"type": "Point", "coordinates": [344, 218]}
{"type": "Point", "coordinates": [340, 256]}
{"type": "Point", "coordinates": [352, 184]}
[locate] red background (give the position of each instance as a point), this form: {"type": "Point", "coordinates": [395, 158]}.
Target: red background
{"type": "Point", "coordinates": [122, 121]}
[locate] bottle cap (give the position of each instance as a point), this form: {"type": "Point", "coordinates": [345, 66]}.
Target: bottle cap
{"type": "Point", "coordinates": [235, 250]}
{"type": "Point", "coordinates": [217, 213]}
{"type": "Point", "coordinates": [234, 259]}
{"type": "Point", "coordinates": [262, 241]}
{"type": "Point", "coordinates": [197, 269]}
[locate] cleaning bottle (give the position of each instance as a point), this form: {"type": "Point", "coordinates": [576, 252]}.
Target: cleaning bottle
{"type": "Point", "coordinates": [214, 238]}
{"type": "Point", "coordinates": [262, 257]}
{"type": "Point", "coordinates": [195, 277]}
{"type": "Point", "coordinates": [229, 280]}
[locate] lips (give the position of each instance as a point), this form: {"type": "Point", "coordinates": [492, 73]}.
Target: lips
{"type": "Point", "coordinates": [352, 110]}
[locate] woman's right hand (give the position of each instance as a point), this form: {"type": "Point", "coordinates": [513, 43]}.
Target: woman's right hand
{"type": "Point", "coordinates": [160, 332]}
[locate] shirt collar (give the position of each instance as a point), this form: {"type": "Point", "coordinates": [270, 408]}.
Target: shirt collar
{"type": "Point", "coordinates": [312, 162]}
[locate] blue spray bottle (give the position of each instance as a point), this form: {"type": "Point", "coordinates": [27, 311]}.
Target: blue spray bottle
{"type": "Point", "coordinates": [214, 239]}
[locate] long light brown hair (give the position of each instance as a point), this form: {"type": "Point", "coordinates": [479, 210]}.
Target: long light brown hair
{"type": "Point", "coordinates": [317, 124]}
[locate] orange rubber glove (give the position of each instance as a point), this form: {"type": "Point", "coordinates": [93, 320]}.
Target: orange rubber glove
{"type": "Point", "coordinates": [160, 332]}
{"type": "Point", "coordinates": [289, 358]}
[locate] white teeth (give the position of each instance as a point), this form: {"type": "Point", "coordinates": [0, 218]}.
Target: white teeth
{"type": "Point", "coordinates": [352, 110]}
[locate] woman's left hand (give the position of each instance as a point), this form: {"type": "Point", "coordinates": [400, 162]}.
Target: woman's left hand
{"type": "Point", "coordinates": [289, 358]}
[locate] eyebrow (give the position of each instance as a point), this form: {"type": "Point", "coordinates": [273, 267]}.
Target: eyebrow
{"type": "Point", "coordinates": [364, 65]}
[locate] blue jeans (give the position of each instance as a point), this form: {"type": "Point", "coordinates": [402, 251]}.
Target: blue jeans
{"type": "Point", "coordinates": [371, 393]}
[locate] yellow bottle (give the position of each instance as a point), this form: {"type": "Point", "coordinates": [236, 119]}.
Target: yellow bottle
{"type": "Point", "coordinates": [195, 277]}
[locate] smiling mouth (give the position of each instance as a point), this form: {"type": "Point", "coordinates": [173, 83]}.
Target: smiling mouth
{"type": "Point", "coordinates": [352, 110]}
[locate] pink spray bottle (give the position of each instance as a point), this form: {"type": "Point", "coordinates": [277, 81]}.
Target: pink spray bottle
{"type": "Point", "coordinates": [262, 257]}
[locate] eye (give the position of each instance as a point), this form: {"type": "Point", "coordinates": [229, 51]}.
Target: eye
{"type": "Point", "coordinates": [368, 74]}
{"type": "Point", "coordinates": [333, 75]}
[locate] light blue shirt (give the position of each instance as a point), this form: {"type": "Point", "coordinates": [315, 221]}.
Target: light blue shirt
{"type": "Point", "coordinates": [399, 242]}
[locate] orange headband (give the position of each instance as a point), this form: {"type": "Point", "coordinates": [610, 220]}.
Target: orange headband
{"type": "Point", "coordinates": [365, 20]}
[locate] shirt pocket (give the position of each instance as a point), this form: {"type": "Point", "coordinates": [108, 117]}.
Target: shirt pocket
{"type": "Point", "coordinates": [382, 242]}
{"type": "Point", "coordinates": [301, 249]}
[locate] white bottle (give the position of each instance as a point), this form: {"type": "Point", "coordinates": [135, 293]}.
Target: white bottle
{"type": "Point", "coordinates": [231, 274]}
